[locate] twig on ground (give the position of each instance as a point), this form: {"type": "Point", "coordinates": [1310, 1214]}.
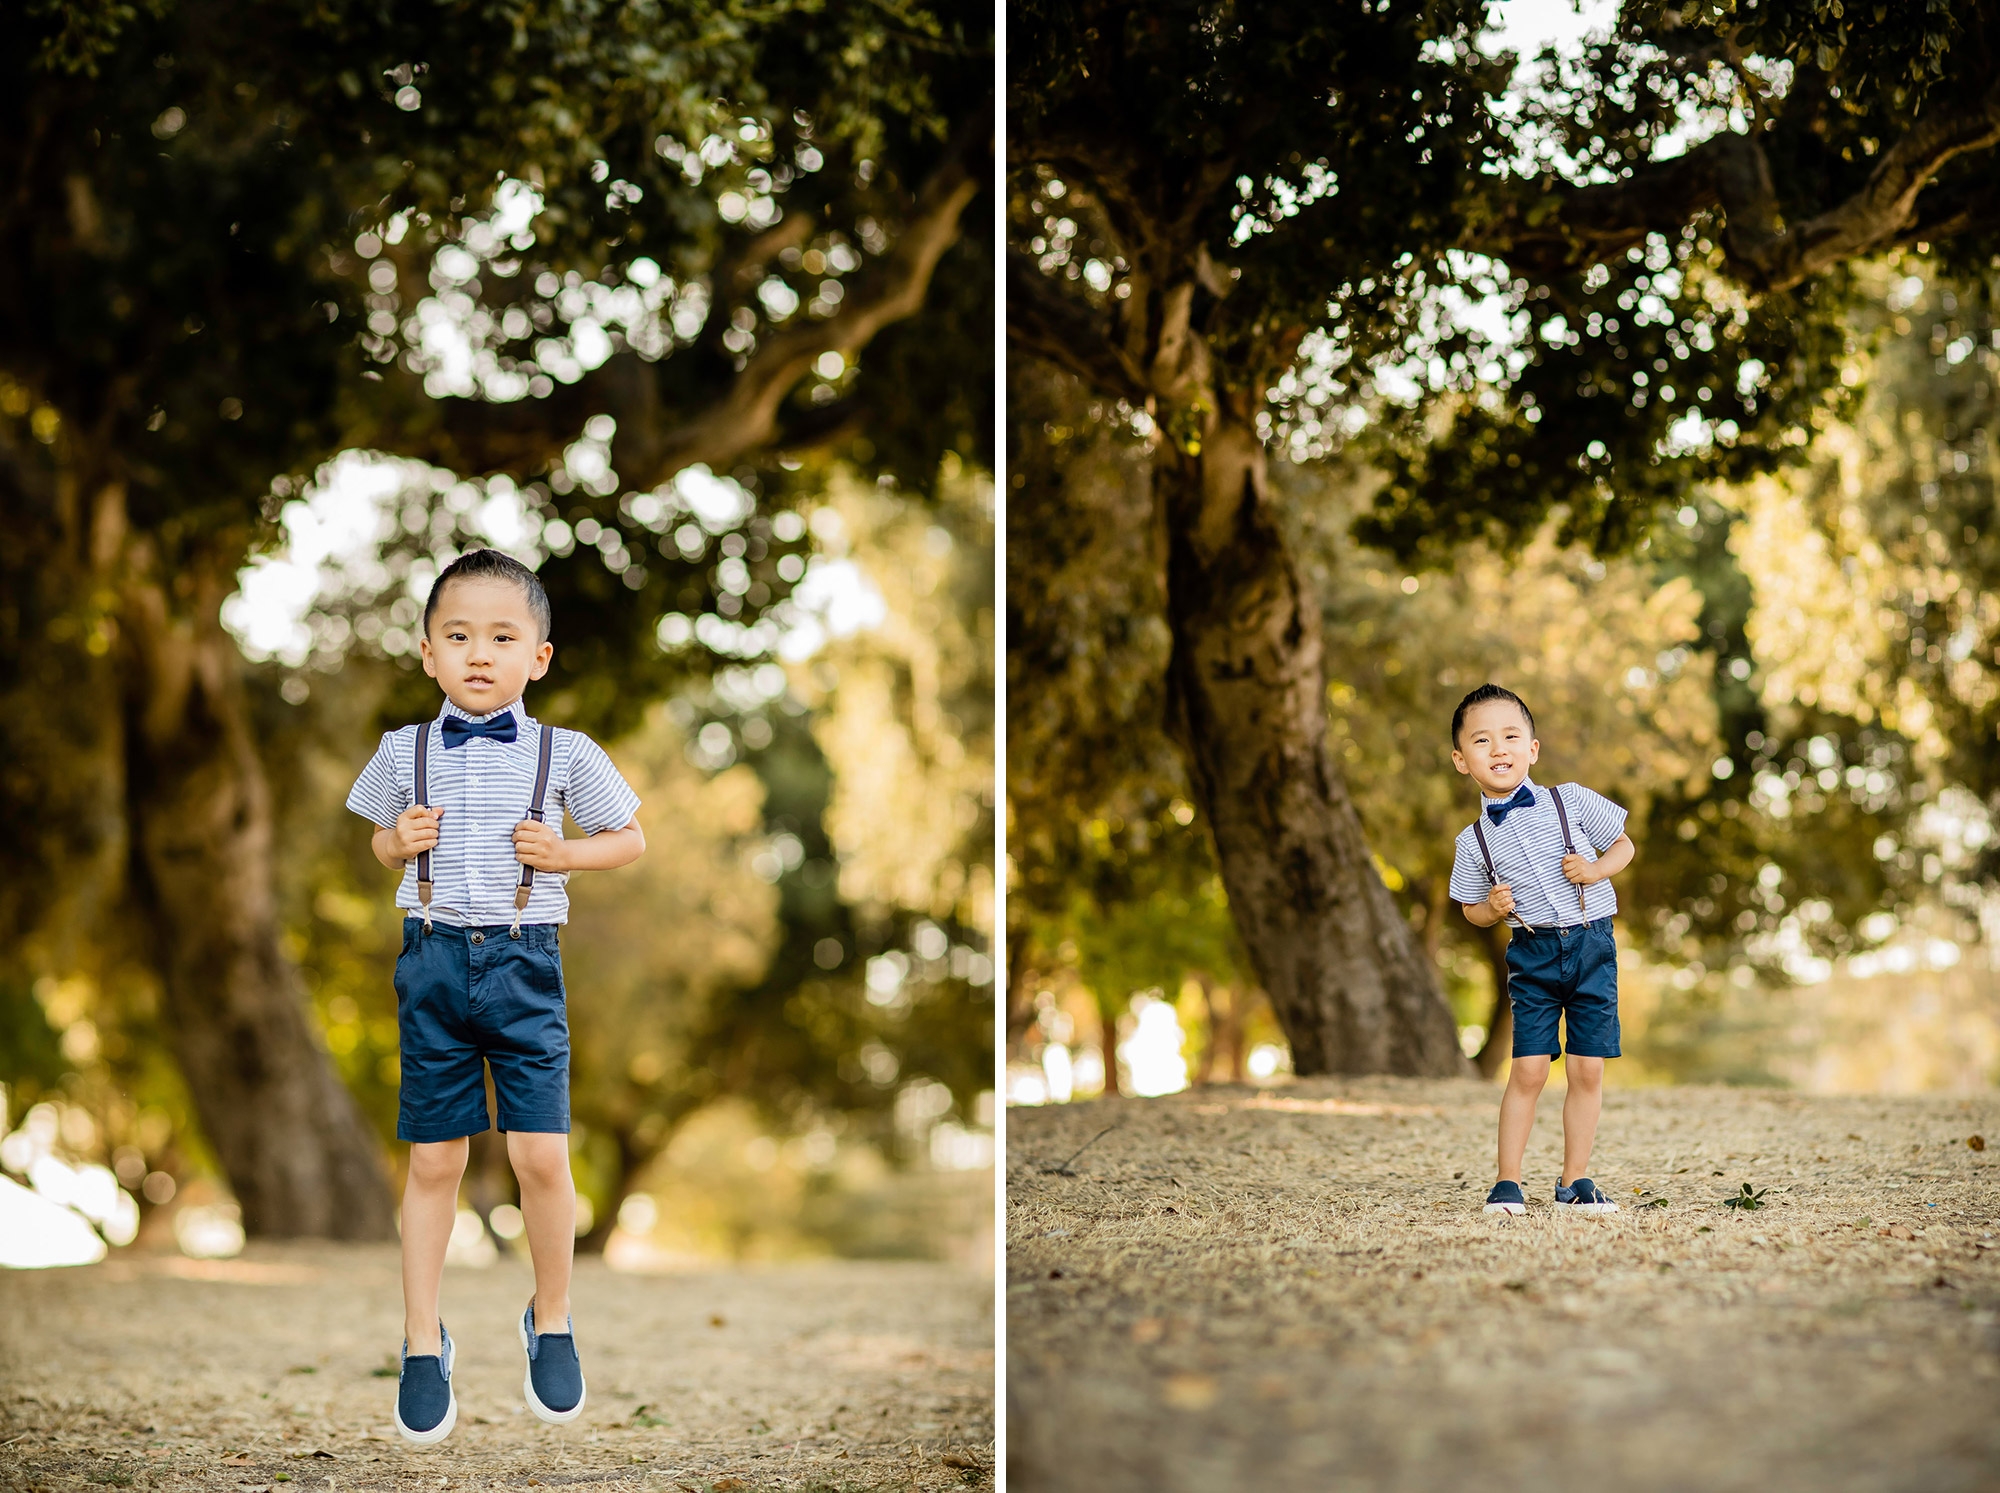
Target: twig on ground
{"type": "Point", "coordinates": [1062, 1168]}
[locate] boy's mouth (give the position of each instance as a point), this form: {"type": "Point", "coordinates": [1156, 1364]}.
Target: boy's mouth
{"type": "Point", "coordinates": [478, 679]}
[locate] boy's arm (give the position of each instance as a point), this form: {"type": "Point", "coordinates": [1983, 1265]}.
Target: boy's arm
{"type": "Point", "coordinates": [1499, 902]}
{"type": "Point", "coordinates": [1617, 856]}
{"type": "Point", "coordinates": [1468, 875]}
{"type": "Point", "coordinates": [415, 830]}
{"type": "Point", "coordinates": [539, 845]}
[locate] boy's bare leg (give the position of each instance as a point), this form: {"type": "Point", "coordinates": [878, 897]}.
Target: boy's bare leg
{"type": "Point", "coordinates": [430, 1208]}
{"type": "Point", "coordinates": [1517, 1112]}
{"type": "Point", "coordinates": [548, 1214]}
{"type": "Point", "coordinates": [1580, 1111]}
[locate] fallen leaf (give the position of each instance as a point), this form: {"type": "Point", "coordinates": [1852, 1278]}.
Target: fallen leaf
{"type": "Point", "coordinates": [1190, 1391]}
{"type": "Point", "coordinates": [959, 1459]}
{"type": "Point", "coordinates": [242, 1461]}
{"type": "Point", "coordinates": [725, 1484]}
{"type": "Point", "coordinates": [1976, 1142]}
{"type": "Point", "coordinates": [715, 1319]}
{"type": "Point", "coordinates": [1852, 1136]}
{"type": "Point", "coordinates": [1148, 1330]}
{"type": "Point", "coordinates": [1896, 1231]}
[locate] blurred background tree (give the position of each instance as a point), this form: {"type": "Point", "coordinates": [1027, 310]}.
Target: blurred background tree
{"type": "Point", "coordinates": [1567, 293]}
{"type": "Point", "coordinates": [620, 290]}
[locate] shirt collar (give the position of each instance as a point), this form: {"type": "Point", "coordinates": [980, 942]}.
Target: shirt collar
{"type": "Point", "coordinates": [1527, 783]}
{"type": "Point", "coordinates": [518, 708]}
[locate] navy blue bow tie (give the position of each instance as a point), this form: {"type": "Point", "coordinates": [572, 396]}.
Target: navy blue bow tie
{"type": "Point", "coordinates": [457, 729]}
{"type": "Point", "coordinates": [1496, 812]}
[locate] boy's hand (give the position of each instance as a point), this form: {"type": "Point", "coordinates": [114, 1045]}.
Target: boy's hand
{"type": "Point", "coordinates": [1501, 900]}
{"type": "Point", "coordinates": [415, 831]}
{"type": "Point", "coordinates": [1581, 871]}
{"type": "Point", "coordinates": [539, 845]}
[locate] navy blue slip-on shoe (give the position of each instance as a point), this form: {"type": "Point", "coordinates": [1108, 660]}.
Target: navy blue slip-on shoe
{"type": "Point", "coordinates": [554, 1384]}
{"type": "Point", "coordinates": [426, 1407]}
{"type": "Point", "coordinates": [1506, 1197]}
{"type": "Point", "coordinates": [1582, 1196]}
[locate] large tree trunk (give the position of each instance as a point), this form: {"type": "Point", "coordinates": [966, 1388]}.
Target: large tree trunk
{"type": "Point", "coordinates": [1350, 985]}
{"type": "Point", "coordinates": [297, 1153]}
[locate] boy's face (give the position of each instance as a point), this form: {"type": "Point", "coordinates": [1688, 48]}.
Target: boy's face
{"type": "Point", "coordinates": [1495, 747]}
{"type": "Point", "coordinates": [482, 645]}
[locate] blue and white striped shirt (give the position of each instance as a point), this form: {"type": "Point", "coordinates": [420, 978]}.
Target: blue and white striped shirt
{"type": "Point", "coordinates": [483, 786]}
{"type": "Point", "coordinates": [1528, 855]}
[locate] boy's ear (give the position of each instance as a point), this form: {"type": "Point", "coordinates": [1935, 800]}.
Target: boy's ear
{"type": "Point", "coordinates": [1458, 761]}
{"type": "Point", "coordinates": [424, 652]}
{"type": "Point", "coordinates": [541, 664]}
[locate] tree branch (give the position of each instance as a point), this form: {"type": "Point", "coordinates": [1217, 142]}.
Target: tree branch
{"type": "Point", "coordinates": [1565, 228]}
{"type": "Point", "coordinates": [746, 417]}
{"type": "Point", "coordinates": [654, 442]}
{"type": "Point", "coordinates": [1059, 331]}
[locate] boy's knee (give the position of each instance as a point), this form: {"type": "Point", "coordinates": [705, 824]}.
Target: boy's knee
{"type": "Point", "coordinates": [437, 1163]}
{"type": "Point", "coordinates": [1528, 1074]}
{"type": "Point", "coordinates": [538, 1158]}
{"type": "Point", "coordinates": [1585, 1073]}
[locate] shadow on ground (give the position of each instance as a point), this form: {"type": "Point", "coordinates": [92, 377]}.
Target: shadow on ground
{"type": "Point", "coordinates": [1297, 1289]}
{"type": "Point", "coordinates": [278, 1368]}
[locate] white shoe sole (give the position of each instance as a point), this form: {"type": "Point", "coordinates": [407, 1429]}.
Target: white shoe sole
{"type": "Point", "coordinates": [1515, 1208]}
{"type": "Point", "coordinates": [1586, 1207]}
{"type": "Point", "coordinates": [437, 1432]}
{"type": "Point", "coordinates": [542, 1412]}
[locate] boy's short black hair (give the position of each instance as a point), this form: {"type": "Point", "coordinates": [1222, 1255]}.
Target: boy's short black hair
{"type": "Point", "coordinates": [493, 565]}
{"type": "Point", "coordinates": [1480, 696]}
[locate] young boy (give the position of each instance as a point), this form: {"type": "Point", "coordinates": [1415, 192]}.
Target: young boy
{"type": "Point", "coordinates": [1511, 864]}
{"type": "Point", "coordinates": [480, 844]}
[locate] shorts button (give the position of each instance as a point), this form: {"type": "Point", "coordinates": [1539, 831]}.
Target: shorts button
{"type": "Point", "coordinates": [479, 938]}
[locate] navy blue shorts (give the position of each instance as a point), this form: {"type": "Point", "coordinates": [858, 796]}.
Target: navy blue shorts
{"type": "Point", "coordinates": [472, 996]}
{"type": "Point", "coordinates": [1570, 973]}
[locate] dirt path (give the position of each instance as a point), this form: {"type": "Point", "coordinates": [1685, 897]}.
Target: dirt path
{"type": "Point", "coordinates": [236, 1375]}
{"type": "Point", "coordinates": [1296, 1289]}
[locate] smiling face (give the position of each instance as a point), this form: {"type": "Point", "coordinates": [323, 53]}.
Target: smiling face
{"type": "Point", "coordinates": [483, 646]}
{"type": "Point", "coordinates": [1495, 747]}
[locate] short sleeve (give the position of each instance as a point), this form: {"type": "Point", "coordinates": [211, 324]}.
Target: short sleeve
{"type": "Point", "coordinates": [380, 794]}
{"type": "Point", "coordinates": [596, 794]}
{"type": "Point", "coordinates": [1597, 818]}
{"type": "Point", "coordinates": [1469, 881]}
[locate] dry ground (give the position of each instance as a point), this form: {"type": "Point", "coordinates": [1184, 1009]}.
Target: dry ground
{"type": "Point", "coordinates": [249, 1374]}
{"type": "Point", "coordinates": [1296, 1289]}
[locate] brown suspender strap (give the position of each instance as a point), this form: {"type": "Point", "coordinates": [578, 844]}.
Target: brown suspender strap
{"type": "Point", "coordinates": [1568, 844]}
{"type": "Point", "coordinates": [420, 791]}
{"type": "Point", "coordinates": [1492, 876]}
{"type": "Point", "coordinates": [527, 887]}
